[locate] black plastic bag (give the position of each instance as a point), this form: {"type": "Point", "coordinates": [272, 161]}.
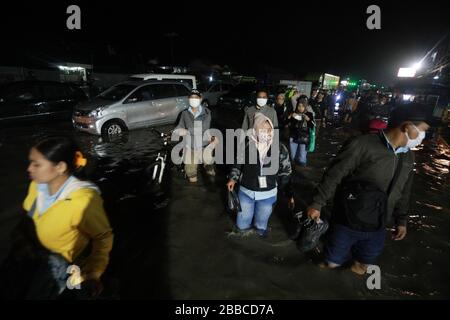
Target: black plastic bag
{"type": "Point", "coordinates": [309, 232]}
{"type": "Point", "coordinates": [233, 203]}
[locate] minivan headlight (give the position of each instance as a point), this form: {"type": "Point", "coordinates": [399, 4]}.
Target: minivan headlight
{"type": "Point", "coordinates": [97, 113]}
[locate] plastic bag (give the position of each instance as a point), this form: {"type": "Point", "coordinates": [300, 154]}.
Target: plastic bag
{"type": "Point", "coordinates": [233, 203]}
{"type": "Point", "coordinates": [309, 232]}
{"type": "Point", "coordinates": [312, 139]}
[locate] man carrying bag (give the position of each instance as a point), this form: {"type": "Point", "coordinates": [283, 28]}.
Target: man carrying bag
{"type": "Point", "coordinates": [371, 180]}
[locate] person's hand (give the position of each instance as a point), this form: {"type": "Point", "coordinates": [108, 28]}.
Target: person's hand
{"type": "Point", "coordinates": [230, 185]}
{"type": "Point", "coordinates": [93, 286]}
{"type": "Point", "coordinates": [313, 213]}
{"type": "Point", "coordinates": [306, 117]}
{"type": "Point", "coordinates": [291, 203]}
{"type": "Point", "coordinates": [399, 233]}
{"type": "Point", "coordinates": [214, 141]}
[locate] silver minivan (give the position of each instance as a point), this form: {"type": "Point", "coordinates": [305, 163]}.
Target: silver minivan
{"type": "Point", "coordinates": [131, 105]}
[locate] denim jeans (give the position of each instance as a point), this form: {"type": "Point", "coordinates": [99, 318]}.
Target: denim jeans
{"type": "Point", "coordinates": [298, 152]}
{"type": "Point", "coordinates": [344, 244]}
{"type": "Point", "coordinates": [256, 211]}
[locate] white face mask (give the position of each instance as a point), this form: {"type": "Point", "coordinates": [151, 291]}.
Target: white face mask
{"type": "Point", "coordinates": [264, 137]}
{"type": "Point", "coordinates": [195, 102]}
{"type": "Point", "coordinates": [261, 102]}
{"type": "Point", "coordinates": [412, 143]}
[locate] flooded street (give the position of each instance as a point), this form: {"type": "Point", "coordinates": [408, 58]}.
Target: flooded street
{"type": "Point", "coordinates": [173, 242]}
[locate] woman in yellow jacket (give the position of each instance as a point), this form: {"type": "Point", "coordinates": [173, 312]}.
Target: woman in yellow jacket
{"type": "Point", "coordinates": [68, 214]}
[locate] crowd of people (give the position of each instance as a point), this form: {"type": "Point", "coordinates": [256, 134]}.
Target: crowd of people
{"type": "Point", "coordinates": [369, 182]}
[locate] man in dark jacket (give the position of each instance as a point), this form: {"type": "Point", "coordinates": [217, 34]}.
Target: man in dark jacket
{"type": "Point", "coordinates": [283, 111]}
{"type": "Point", "coordinates": [262, 107]}
{"type": "Point", "coordinates": [378, 171]}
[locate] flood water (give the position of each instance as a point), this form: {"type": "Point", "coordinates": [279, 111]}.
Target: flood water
{"type": "Point", "coordinates": [173, 241]}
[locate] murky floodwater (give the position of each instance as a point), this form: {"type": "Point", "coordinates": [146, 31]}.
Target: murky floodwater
{"type": "Point", "coordinates": [172, 242]}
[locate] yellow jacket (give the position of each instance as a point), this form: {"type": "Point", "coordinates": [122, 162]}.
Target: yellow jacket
{"type": "Point", "coordinates": [68, 226]}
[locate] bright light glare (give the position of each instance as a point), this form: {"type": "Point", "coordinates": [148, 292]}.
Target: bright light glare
{"type": "Point", "coordinates": [406, 72]}
{"type": "Point", "coordinates": [408, 97]}
{"type": "Point", "coordinates": [417, 65]}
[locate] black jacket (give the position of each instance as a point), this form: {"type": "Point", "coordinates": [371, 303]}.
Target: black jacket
{"type": "Point", "coordinates": [299, 130]}
{"type": "Point", "coordinates": [283, 113]}
{"type": "Point", "coordinates": [367, 158]}
{"type": "Point", "coordinates": [247, 173]}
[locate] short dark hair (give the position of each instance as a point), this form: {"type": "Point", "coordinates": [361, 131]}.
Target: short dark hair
{"type": "Point", "coordinates": [195, 92]}
{"type": "Point", "coordinates": [303, 100]}
{"type": "Point", "coordinates": [262, 90]}
{"type": "Point", "coordinates": [59, 149]}
{"type": "Point", "coordinates": [400, 115]}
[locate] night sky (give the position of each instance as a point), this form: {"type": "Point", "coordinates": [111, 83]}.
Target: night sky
{"type": "Point", "coordinates": [290, 36]}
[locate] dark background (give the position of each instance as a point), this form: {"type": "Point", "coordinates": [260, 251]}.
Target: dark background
{"type": "Point", "coordinates": [290, 36]}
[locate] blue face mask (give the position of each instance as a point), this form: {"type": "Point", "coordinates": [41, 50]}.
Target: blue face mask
{"type": "Point", "coordinates": [401, 150]}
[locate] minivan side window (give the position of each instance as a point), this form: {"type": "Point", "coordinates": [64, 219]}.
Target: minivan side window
{"type": "Point", "coordinates": [163, 91]}
{"type": "Point", "coordinates": [188, 82]}
{"type": "Point", "coordinates": [182, 91]}
{"type": "Point", "coordinates": [142, 94]}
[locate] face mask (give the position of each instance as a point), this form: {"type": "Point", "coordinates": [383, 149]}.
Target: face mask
{"type": "Point", "coordinates": [412, 143]}
{"type": "Point", "coordinates": [264, 137]}
{"type": "Point", "coordinates": [401, 150]}
{"type": "Point", "coordinates": [194, 102]}
{"type": "Point", "coordinates": [261, 102]}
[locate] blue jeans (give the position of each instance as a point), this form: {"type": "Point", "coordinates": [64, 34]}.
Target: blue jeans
{"type": "Point", "coordinates": [344, 244]}
{"type": "Point", "coordinates": [298, 152]}
{"type": "Point", "coordinates": [256, 211]}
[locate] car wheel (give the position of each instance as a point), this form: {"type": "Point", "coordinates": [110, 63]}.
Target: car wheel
{"type": "Point", "coordinates": [113, 128]}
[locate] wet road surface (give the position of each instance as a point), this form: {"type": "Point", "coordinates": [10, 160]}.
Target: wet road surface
{"type": "Point", "coordinates": [173, 242]}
